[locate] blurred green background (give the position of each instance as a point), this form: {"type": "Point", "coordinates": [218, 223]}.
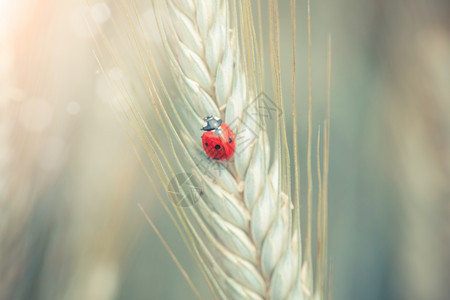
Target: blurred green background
{"type": "Point", "coordinates": [70, 181]}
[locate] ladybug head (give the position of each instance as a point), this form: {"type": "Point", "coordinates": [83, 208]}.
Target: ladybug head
{"type": "Point", "coordinates": [212, 123]}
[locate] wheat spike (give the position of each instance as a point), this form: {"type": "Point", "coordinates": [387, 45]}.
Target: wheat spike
{"type": "Point", "coordinates": [242, 230]}
{"type": "Point", "coordinates": [242, 225]}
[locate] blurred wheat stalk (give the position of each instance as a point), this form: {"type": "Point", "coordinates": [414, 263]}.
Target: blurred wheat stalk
{"type": "Point", "coordinates": [57, 239]}
{"type": "Point", "coordinates": [25, 170]}
{"type": "Point", "coordinates": [244, 231]}
{"type": "Point", "coordinates": [418, 109]}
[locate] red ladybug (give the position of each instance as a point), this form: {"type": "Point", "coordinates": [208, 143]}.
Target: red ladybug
{"type": "Point", "coordinates": [218, 140]}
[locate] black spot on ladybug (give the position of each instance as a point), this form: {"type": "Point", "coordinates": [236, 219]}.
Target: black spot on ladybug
{"type": "Point", "coordinates": [230, 140]}
{"type": "Point", "coordinates": [206, 144]}
{"type": "Point", "coordinates": [217, 147]}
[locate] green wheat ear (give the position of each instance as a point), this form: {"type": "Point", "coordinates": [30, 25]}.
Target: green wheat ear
{"type": "Point", "coordinates": [244, 227]}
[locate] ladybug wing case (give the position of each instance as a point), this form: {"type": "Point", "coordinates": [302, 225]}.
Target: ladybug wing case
{"type": "Point", "coordinates": [229, 142]}
{"type": "Point", "coordinates": [219, 147]}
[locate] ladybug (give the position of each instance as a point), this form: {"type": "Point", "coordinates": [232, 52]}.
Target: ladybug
{"type": "Point", "coordinates": [218, 139]}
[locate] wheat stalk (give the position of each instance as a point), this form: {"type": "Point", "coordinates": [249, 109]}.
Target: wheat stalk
{"type": "Point", "coordinates": [418, 154]}
{"type": "Point", "coordinates": [241, 231]}
{"type": "Point", "coordinates": [242, 214]}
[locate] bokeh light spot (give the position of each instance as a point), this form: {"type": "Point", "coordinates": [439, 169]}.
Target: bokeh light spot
{"type": "Point", "coordinates": [100, 12]}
